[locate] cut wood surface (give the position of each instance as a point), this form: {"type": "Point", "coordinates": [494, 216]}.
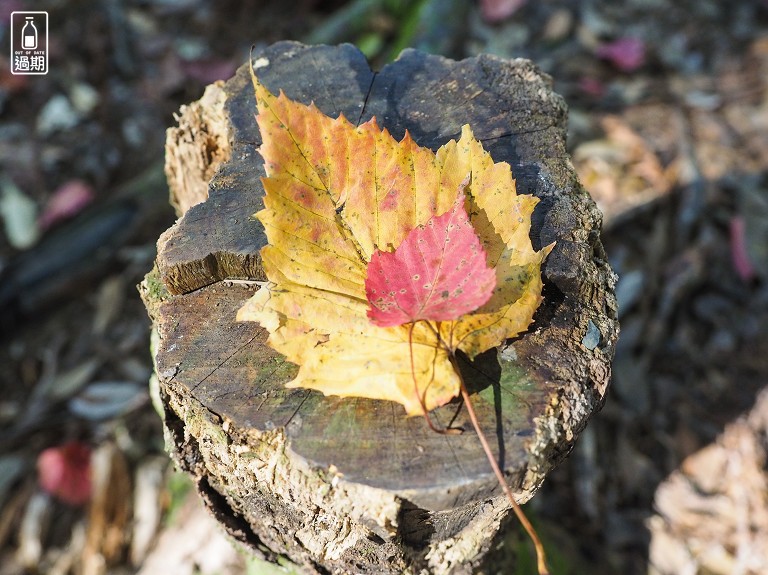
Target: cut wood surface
{"type": "Point", "coordinates": [353, 485]}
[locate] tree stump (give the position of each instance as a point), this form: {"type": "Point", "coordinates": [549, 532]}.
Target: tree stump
{"type": "Point", "coordinates": [353, 485]}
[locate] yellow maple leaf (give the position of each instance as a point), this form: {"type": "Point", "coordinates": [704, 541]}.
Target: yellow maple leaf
{"type": "Point", "coordinates": [334, 194]}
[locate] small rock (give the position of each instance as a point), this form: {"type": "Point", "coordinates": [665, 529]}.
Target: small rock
{"type": "Point", "coordinates": [19, 214]}
{"type": "Point", "coordinates": [84, 98]}
{"type": "Point", "coordinates": [57, 114]}
{"type": "Point", "coordinates": [592, 337]}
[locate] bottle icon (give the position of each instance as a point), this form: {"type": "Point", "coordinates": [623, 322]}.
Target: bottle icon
{"type": "Point", "coordinates": [29, 35]}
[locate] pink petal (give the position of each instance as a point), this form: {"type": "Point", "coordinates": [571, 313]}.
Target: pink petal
{"type": "Point", "coordinates": [498, 10]}
{"type": "Point", "coordinates": [739, 254]}
{"type": "Point", "coordinates": [65, 472]}
{"type": "Point", "coordinates": [438, 273]}
{"type": "Point", "coordinates": [67, 201]}
{"type": "Point", "coordinates": [627, 54]}
{"type": "Point", "coordinates": [592, 86]}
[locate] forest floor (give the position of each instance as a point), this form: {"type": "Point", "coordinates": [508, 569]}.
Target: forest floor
{"type": "Point", "coordinates": [668, 131]}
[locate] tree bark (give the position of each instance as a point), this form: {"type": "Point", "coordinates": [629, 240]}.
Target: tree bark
{"type": "Point", "coordinates": [351, 485]}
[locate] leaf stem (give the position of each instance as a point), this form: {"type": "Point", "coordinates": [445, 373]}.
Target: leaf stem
{"type": "Point", "coordinates": [422, 399]}
{"type": "Point", "coordinates": [541, 559]}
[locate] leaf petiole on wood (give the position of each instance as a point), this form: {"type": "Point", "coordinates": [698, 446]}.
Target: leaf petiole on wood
{"type": "Point", "coordinates": [441, 430]}
{"type": "Point", "coordinates": [541, 558]}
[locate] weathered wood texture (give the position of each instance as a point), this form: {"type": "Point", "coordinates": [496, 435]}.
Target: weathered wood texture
{"type": "Point", "coordinates": [352, 485]}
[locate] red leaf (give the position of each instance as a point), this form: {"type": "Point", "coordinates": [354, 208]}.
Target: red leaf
{"type": "Point", "coordinates": [65, 472]}
{"type": "Point", "coordinates": [438, 273]}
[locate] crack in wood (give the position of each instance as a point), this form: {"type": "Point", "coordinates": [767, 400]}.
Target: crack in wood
{"type": "Point", "coordinates": [222, 362]}
{"type": "Point", "coordinates": [367, 96]}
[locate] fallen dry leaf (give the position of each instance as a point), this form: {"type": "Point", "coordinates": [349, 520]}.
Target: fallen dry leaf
{"type": "Point", "coordinates": [336, 194]}
{"type": "Point", "coordinates": [65, 472]}
{"type": "Point", "coordinates": [67, 201]}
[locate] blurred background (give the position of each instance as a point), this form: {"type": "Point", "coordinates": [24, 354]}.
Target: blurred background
{"type": "Point", "coordinates": [668, 130]}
